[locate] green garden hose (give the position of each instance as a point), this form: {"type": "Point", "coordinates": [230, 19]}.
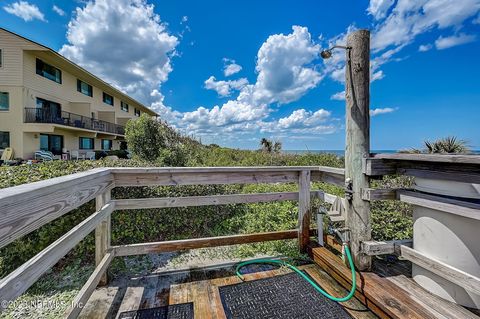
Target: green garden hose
{"type": "Point", "coordinates": [310, 281]}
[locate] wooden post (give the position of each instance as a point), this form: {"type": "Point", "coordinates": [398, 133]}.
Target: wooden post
{"type": "Point", "coordinates": [357, 147]}
{"type": "Point", "coordinates": [102, 234]}
{"type": "Point", "coordinates": [303, 210]}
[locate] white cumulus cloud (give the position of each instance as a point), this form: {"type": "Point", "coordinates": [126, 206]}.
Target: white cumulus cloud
{"type": "Point", "coordinates": [378, 8]}
{"type": "Point", "coordinates": [25, 10]}
{"type": "Point", "coordinates": [224, 88]}
{"type": "Point", "coordinates": [377, 111]}
{"type": "Point", "coordinates": [339, 96]}
{"type": "Point", "coordinates": [125, 43]}
{"type": "Point", "coordinates": [58, 10]}
{"type": "Point", "coordinates": [454, 40]}
{"type": "Point", "coordinates": [285, 73]}
{"type": "Point", "coordinates": [411, 18]}
{"type": "Point", "coordinates": [425, 47]}
{"type": "Point", "coordinates": [231, 67]}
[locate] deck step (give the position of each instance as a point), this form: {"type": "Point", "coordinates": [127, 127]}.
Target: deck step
{"type": "Point", "coordinates": [385, 296]}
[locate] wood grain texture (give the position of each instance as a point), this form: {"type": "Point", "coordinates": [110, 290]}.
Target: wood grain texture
{"type": "Point", "coordinates": [17, 282]}
{"type": "Point", "coordinates": [442, 308]}
{"type": "Point", "coordinates": [431, 158]}
{"type": "Point", "coordinates": [357, 145]}
{"type": "Point", "coordinates": [84, 294]}
{"type": "Point", "coordinates": [188, 201]}
{"type": "Point", "coordinates": [430, 166]}
{"type": "Point", "coordinates": [375, 248]}
{"type": "Point", "coordinates": [354, 307]}
{"type": "Point", "coordinates": [444, 270]}
{"type": "Point", "coordinates": [304, 213]}
{"type": "Point", "coordinates": [444, 204]}
{"type": "Point", "coordinates": [205, 178]}
{"type": "Point", "coordinates": [222, 175]}
{"type": "Point", "coordinates": [175, 245]}
{"type": "Point", "coordinates": [25, 208]}
{"type": "Point", "coordinates": [102, 233]}
{"type": "Point", "coordinates": [378, 194]}
{"type": "Point", "coordinates": [380, 295]}
{"type": "Point", "coordinates": [207, 301]}
{"type": "Point", "coordinates": [169, 202]}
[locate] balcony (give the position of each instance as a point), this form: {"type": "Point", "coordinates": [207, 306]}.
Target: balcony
{"type": "Point", "coordinates": [39, 115]}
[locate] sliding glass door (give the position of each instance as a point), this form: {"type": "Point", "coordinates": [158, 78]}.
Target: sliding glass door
{"type": "Point", "coordinates": [52, 143]}
{"type": "Point", "coordinates": [48, 111]}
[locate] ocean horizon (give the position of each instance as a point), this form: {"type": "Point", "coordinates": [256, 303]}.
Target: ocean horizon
{"type": "Point", "coordinates": [336, 152]}
{"type": "Point", "coordinates": [342, 152]}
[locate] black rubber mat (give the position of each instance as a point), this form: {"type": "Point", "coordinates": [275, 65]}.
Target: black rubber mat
{"type": "Point", "coordinates": [180, 311]}
{"type": "Point", "coordinates": [287, 296]}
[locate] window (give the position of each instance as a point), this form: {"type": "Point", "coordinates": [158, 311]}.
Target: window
{"type": "Point", "coordinates": [84, 88]}
{"type": "Point", "coordinates": [4, 140]}
{"type": "Point", "coordinates": [1, 58]}
{"type": "Point", "coordinates": [137, 112]}
{"type": "Point", "coordinates": [107, 145]}
{"type": "Point", "coordinates": [108, 99]}
{"type": "Point", "coordinates": [4, 101]}
{"type": "Point", "coordinates": [52, 143]}
{"type": "Point", "coordinates": [86, 143]}
{"type": "Point", "coordinates": [48, 71]}
{"type": "Point", "coordinates": [124, 106]}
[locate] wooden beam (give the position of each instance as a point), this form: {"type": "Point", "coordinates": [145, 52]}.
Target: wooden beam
{"type": "Point", "coordinates": [425, 165]}
{"type": "Point", "coordinates": [188, 201]}
{"type": "Point", "coordinates": [18, 281]}
{"type": "Point", "coordinates": [357, 84]}
{"type": "Point", "coordinates": [370, 194]}
{"type": "Point", "coordinates": [457, 276]}
{"type": "Point", "coordinates": [206, 178]}
{"type": "Point", "coordinates": [27, 207]}
{"type": "Point", "coordinates": [392, 247]}
{"type": "Point", "coordinates": [431, 158]}
{"type": "Point", "coordinates": [444, 204]}
{"type": "Point", "coordinates": [222, 175]}
{"type": "Point", "coordinates": [102, 233]}
{"type": "Point", "coordinates": [331, 175]}
{"type": "Point", "coordinates": [442, 308]}
{"type": "Point", "coordinates": [304, 214]}
{"type": "Point", "coordinates": [176, 245]}
{"type": "Point", "coordinates": [168, 202]}
{"type": "Point", "coordinates": [325, 197]}
{"type": "Point", "coordinates": [380, 295]}
{"type": "Point", "coordinates": [225, 169]}
{"type": "Point", "coordinates": [84, 294]}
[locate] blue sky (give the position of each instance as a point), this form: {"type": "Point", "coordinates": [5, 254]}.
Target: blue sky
{"type": "Point", "coordinates": [233, 72]}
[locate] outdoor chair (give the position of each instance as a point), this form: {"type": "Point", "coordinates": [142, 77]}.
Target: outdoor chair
{"type": "Point", "coordinates": [75, 155]}
{"type": "Point", "coordinates": [90, 156]}
{"type": "Point", "coordinates": [44, 156]}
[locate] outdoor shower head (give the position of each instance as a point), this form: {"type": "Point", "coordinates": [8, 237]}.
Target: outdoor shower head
{"type": "Point", "coordinates": [327, 54]}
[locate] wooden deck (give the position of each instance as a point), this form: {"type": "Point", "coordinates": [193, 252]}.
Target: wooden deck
{"type": "Point", "coordinates": [199, 286]}
{"type": "Point", "coordinates": [388, 292]}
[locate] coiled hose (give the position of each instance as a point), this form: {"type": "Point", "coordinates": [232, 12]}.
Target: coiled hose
{"type": "Point", "coordinates": [310, 281]}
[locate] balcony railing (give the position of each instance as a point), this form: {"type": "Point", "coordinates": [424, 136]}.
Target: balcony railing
{"type": "Point", "coordinates": [39, 115]}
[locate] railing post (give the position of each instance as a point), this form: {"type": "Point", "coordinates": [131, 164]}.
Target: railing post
{"type": "Point", "coordinates": [102, 233]}
{"type": "Point", "coordinates": [357, 146]}
{"type": "Point", "coordinates": [303, 210]}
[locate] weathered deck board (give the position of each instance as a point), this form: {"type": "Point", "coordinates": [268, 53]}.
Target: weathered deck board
{"type": "Point", "coordinates": [160, 290]}
{"type": "Point", "coordinates": [390, 296]}
{"type": "Point", "coordinates": [209, 304]}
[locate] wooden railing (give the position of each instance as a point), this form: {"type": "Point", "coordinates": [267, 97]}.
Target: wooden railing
{"type": "Point", "coordinates": [27, 207]}
{"type": "Point", "coordinates": [445, 168]}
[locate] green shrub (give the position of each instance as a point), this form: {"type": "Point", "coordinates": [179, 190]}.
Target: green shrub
{"type": "Point", "coordinates": [391, 219]}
